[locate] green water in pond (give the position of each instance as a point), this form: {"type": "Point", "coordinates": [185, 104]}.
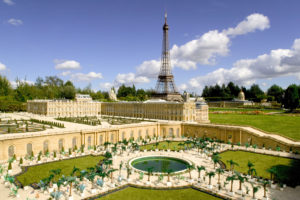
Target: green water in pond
{"type": "Point", "coordinates": [159, 164]}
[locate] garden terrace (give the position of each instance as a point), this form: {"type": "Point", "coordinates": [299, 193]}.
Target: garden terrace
{"type": "Point", "coordinates": [150, 194]}
{"type": "Point", "coordinates": [34, 174]}
{"type": "Point", "coordinates": [120, 120]}
{"type": "Point", "coordinates": [286, 169]}
{"type": "Point", "coordinates": [281, 124]}
{"type": "Point", "coordinates": [93, 121]}
{"type": "Point", "coordinates": [172, 145]}
{"type": "Point", "coordinates": [22, 126]}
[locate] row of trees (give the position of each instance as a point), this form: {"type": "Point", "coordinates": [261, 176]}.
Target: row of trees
{"type": "Point", "coordinates": [289, 97]}
{"type": "Point", "coordinates": [52, 87]}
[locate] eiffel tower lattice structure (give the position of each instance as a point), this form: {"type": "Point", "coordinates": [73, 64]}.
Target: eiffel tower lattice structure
{"type": "Point", "coordinates": [165, 86]}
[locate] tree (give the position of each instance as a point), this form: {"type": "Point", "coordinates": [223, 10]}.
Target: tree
{"type": "Point", "coordinates": [200, 168]}
{"type": "Point", "coordinates": [273, 172]}
{"type": "Point", "coordinates": [128, 168]}
{"type": "Point", "coordinates": [91, 176]}
{"type": "Point", "coordinates": [241, 179]}
{"type": "Point", "coordinates": [169, 172]}
{"type": "Point", "coordinates": [219, 172]}
{"type": "Point", "coordinates": [250, 165]}
{"type": "Point", "coordinates": [216, 158]}
{"type": "Point", "coordinates": [68, 91]}
{"type": "Point", "coordinates": [291, 97]}
{"type": "Point", "coordinates": [256, 94]}
{"type": "Point", "coordinates": [276, 92]}
{"type": "Point", "coordinates": [150, 171]}
{"type": "Point", "coordinates": [210, 174]}
{"type": "Point", "coordinates": [231, 179]}
{"type": "Point", "coordinates": [110, 172]}
{"type": "Point", "coordinates": [71, 180]}
{"type": "Point", "coordinates": [190, 168]}
{"type": "Point", "coordinates": [5, 86]}
{"type": "Point", "coordinates": [254, 190]}
{"type": "Point", "coordinates": [232, 164]}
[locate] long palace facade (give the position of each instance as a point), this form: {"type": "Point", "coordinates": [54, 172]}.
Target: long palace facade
{"type": "Point", "coordinates": [188, 111]}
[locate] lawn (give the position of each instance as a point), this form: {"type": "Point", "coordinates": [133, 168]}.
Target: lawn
{"type": "Point", "coordinates": [35, 173]}
{"type": "Point", "coordinates": [148, 194]}
{"type": "Point", "coordinates": [284, 125]}
{"type": "Point", "coordinates": [288, 168]}
{"type": "Point", "coordinates": [163, 146]}
{"type": "Point", "coordinates": [245, 110]}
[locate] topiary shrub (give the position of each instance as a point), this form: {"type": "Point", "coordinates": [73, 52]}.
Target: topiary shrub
{"type": "Point", "coordinates": [9, 166]}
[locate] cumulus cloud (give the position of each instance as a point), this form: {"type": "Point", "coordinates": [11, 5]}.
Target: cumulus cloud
{"type": "Point", "coordinates": [15, 22]}
{"type": "Point", "coordinates": [86, 77]}
{"type": "Point", "coordinates": [206, 48]}
{"type": "Point", "coordinates": [252, 23]}
{"type": "Point", "coordinates": [2, 67]}
{"type": "Point", "coordinates": [129, 79]}
{"type": "Point", "coordinates": [66, 64]}
{"type": "Point", "coordinates": [278, 62]}
{"type": "Point", "coordinates": [15, 84]}
{"type": "Point", "coordinates": [65, 73]}
{"type": "Point", "coordinates": [106, 86]}
{"type": "Point", "coordinates": [9, 2]}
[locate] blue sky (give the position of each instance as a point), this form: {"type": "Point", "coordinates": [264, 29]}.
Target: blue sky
{"type": "Point", "coordinates": [106, 43]}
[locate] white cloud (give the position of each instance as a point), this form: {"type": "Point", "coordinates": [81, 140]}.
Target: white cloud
{"type": "Point", "coordinates": [15, 22]}
{"type": "Point", "coordinates": [66, 64]}
{"type": "Point", "coordinates": [14, 84]}
{"type": "Point", "coordinates": [9, 2]}
{"type": "Point", "coordinates": [106, 86]}
{"type": "Point", "coordinates": [252, 23]}
{"type": "Point", "coordinates": [149, 69]}
{"type": "Point", "coordinates": [2, 67]}
{"type": "Point", "coordinates": [205, 49]}
{"type": "Point", "coordinates": [129, 79]}
{"type": "Point", "coordinates": [279, 62]}
{"type": "Point", "coordinates": [86, 77]}
{"type": "Point", "coordinates": [65, 73]}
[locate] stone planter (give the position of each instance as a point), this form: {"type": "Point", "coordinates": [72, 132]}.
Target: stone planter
{"type": "Point", "coordinates": [148, 183]}
{"type": "Point", "coordinates": [9, 171]}
{"type": "Point", "coordinates": [168, 150]}
{"type": "Point", "coordinates": [26, 188]}
{"type": "Point", "coordinates": [82, 194]}
{"type": "Point", "coordinates": [94, 191]}
{"type": "Point", "coordinates": [240, 192]}
{"type": "Point", "coordinates": [50, 190]}
{"type": "Point", "coordinates": [273, 186]}
{"type": "Point", "coordinates": [230, 194]}
{"type": "Point", "coordinates": [265, 198]}
{"type": "Point", "coordinates": [70, 198]}
{"type": "Point", "coordinates": [210, 187]}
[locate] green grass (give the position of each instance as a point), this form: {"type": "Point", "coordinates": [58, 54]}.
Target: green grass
{"type": "Point", "coordinates": [148, 194]}
{"type": "Point", "coordinates": [35, 173]}
{"type": "Point", "coordinates": [287, 168]}
{"type": "Point", "coordinates": [284, 125]}
{"type": "Point", "coordinates": [163, 146]}
{"type": "Point", "coordinates": [246, 110]}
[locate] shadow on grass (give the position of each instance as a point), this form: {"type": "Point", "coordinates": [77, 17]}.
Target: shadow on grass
{"type": "Point", "coordinates": [289, 175]}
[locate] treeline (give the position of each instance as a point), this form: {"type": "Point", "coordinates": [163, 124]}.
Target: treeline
{"type": "Point", "coordinates": [128, 93]}
{"type": "Point", "coordinates": [52, 87]}
{"type": "Point", "coordinates": [288, 97]}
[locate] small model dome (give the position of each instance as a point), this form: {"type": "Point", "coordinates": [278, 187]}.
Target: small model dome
{"type": "Point", "coordinates": [241, 96]}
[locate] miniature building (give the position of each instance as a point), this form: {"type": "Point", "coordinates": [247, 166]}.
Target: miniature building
{"type": "Point", "coordinates": [83, 105]}
{"type": "Point", "coordinates": [158, 109]}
